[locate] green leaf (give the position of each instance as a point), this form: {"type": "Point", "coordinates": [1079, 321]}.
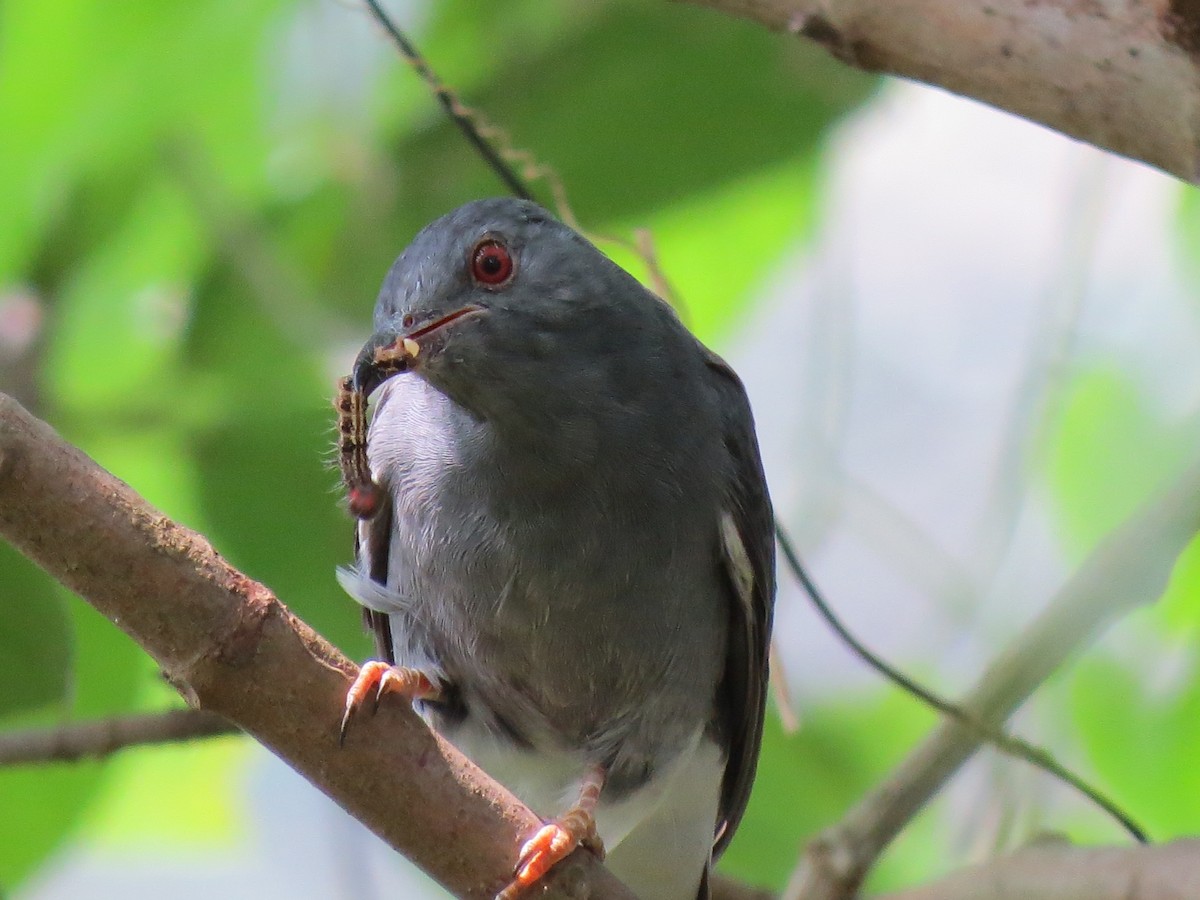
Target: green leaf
{"type": "Point", "coordinates": [1187, 234]}
{"type": "Point", "coordinates": [172, 796]}
{"type": "Point", "coordinates": [35, 639]}
{"type": "Point", "coordinates": [121, 320]}
{"type": "Point", "coordinates": [96, 89]}
{"type": "Point", "coordinates": [1142, 740]}
{"type": "Point", "coordinates": [806, 781]}
{"type": "Point", "coordinates": [1109, 454]}
{"type": "Point", "coordinates": [108, 676]}
{"type": "Point", "coordinates": [715, 248]}
{"type": "Point", "coordinates": [664, 102]}
{"type": "Point", "coordinates": [47, 49]}
{"type": "Point", "coordinates": [44, 803]}
{"type": "Point", "coordinates": [669, 107]}
{"type": "Point", "coordinates": [1179, 607]}
{"type": "Point", "coordinates": [274, 505]}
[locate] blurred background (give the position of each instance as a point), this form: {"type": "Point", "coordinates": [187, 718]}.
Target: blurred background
{"type": "Point", "coordinates": [973, 348]}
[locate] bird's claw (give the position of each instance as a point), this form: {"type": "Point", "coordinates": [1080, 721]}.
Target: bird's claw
{"type": "Point", "coordinates": [552, 844]}
{"type": "Point", "coordinates": [377, 678]}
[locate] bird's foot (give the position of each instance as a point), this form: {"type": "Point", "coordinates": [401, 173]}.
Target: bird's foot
{"type": "Point", "coordinates": [556, 841]}
{"type": "Point", "coordinates": [377, 678]}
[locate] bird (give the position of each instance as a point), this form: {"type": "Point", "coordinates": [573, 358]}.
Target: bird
{"type": "Point", "coordinates": [569, 568]}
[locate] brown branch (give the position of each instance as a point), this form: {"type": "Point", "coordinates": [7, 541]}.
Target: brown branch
{"type": "Point", "coordinates": [1124, 76]}
{"type": "Point", "coordinates": [1062, 872]}
{"type": "Point", "coordinates": [1130, 567]}
{"type": "Point", "coordinates": [74, 741]}
{"type": "Point", "coordinates": [229, 646]}
{"type": "Point", "coordinates": [1051, 870]}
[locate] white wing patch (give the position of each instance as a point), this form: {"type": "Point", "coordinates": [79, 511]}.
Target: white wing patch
{"type": "Point", "coordinates": [743, 582]}
{"type": "Point", "coordinates": [739, 562]}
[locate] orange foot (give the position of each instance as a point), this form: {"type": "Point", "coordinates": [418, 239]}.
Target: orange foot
{"type": "Point", "coordinates": [380, 678]}
{"type": "Point", "coordinates": [556, 841]}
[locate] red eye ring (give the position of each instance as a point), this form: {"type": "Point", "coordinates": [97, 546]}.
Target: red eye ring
{"type": "Point", "coordinates": [491, 263]}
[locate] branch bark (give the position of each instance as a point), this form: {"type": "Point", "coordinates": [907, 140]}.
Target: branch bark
{"type": "Point", "coordinates": [229, 646]}
{"type": "Point", "coordinates": [1123, 75]}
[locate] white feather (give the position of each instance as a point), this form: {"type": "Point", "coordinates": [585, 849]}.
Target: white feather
{"type": "Point", "coordinates": [658, 838]}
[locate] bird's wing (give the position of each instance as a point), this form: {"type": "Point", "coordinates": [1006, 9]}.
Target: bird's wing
{"type": "Point", "coordinates": [372, 548]}
{"type": "Point", "coordinates": [747, 541]}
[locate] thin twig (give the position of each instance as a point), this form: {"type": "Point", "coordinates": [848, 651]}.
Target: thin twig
{"type": "Point", "coordinates": [74, 741]}
{"type": "Point", "coordinates": [1129, 568]}
{"type": "Point", "coordinates": [466, 119]}
{"type": "Point", "coordinates": [1006, 743]}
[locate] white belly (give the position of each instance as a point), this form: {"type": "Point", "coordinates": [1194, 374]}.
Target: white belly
{"type": "Point", "coordinates": [658, 838]}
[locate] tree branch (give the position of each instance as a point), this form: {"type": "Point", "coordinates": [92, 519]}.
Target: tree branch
{"type": "Point", "coordinates": [1128, 568]}
{"type": "Point", "coordinates": [1124, 75]}
{"type": "Point", "coordinates": [229, 646]}
{"type": "Point", "coordinates": [74, 741]}
{"type": "Point", "coordinates": [1062, 872]}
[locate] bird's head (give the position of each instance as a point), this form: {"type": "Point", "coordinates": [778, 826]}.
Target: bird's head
{"type": "Point", "coordinates": [498, 302]}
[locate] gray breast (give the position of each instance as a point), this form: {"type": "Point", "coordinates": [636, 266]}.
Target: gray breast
{"type": "Point", "coordinates": [569, 592]}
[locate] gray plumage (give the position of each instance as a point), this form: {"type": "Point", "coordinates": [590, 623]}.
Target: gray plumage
{"type": "Point", "coordinates": [576, 544]}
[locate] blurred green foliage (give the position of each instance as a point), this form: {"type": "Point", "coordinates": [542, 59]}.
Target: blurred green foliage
{"type": "Point", "coordinates": [1113, 450]}
{"type": "Point", "coordinates": [806, 781]}
{"type": "Point", "coordinates": [1108, 435]}
{"type": "Point", "coordinates": [202, 200]}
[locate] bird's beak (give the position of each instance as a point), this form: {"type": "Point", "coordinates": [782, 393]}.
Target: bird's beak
{"type": "Point", "coordinates": [391, 352]}
{"type": "Point", "coordinates": [367, 373]}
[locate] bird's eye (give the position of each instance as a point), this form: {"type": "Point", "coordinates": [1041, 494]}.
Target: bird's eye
{"type": "Point", "coordinates": [491, 263]}
{"type": "Point", "coordinates": [407, 321]}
